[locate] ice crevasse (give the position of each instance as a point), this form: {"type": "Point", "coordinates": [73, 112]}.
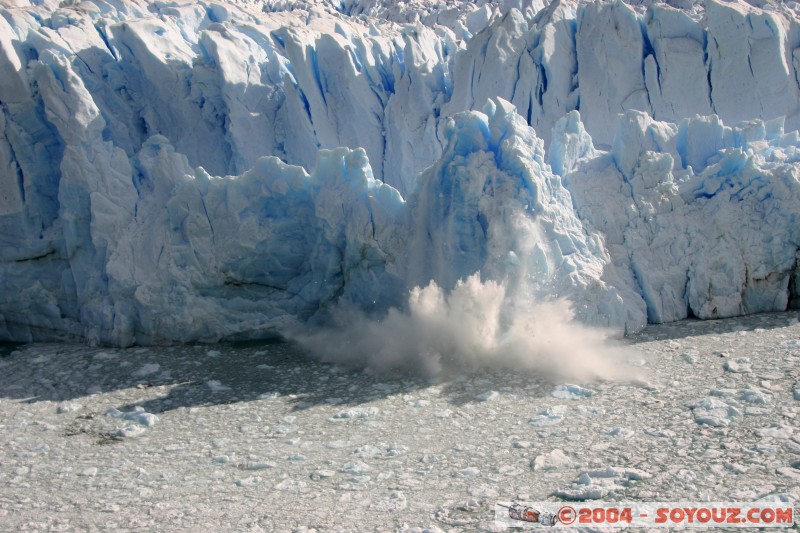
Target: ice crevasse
{"type": "Point", "coordinates": [175, 173]}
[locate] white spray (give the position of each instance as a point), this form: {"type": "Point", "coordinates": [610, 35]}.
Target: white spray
{"type": "Point", "coordinates": [475, 326]}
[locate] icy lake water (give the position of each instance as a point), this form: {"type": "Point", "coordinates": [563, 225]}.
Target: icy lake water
{"type": "Point", "coordinates": [259, 438]}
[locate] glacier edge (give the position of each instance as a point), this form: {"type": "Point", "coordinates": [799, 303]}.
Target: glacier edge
{"type": "Point", "coordinates": [174, 172]}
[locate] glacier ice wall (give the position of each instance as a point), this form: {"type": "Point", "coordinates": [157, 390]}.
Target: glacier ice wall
{"type": "Point", "coordinates": [137, 205]}
{"type": "Point", "coordinates": [700, 218]}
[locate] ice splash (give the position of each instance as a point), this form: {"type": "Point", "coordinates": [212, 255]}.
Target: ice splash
{"type": "Point", "coordinates": [476, 325]}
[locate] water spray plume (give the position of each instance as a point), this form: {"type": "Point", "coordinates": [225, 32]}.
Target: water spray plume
{"type": "Point", "coordinates": [476, 325]}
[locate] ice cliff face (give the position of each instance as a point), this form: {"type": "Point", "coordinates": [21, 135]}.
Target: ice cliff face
{"type": "Point", "coordinates": [137, 204]}
{"type": "Point", "coordinates": [699, 218]}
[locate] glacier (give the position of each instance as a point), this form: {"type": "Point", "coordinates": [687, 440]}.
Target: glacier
{"type": "Point", "coordinates": [195, 171]}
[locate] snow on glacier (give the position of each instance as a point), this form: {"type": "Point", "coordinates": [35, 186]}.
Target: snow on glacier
{"type": "Point", "coordinates": [177, 171]}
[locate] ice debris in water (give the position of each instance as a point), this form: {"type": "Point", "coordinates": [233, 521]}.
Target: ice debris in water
{"type": "Point", "coordinates": [138, 415]}
{"type": "Point", "coordinates": [571, 392]}
{"type": "Point", "coordinates": [714, 412]}
{"type": "Point", "coordinates": [602, 483]}
{"type": "Point", "coordinates": [740, 365]}
{"type": "Point", "coordinates": [553, 460]}
{"type": "Point", "coordinates": [356, 413]}
{"type": "Point", "coordinates": [487, 396]}
{"type": "Point", "coordinates": [550, 416]}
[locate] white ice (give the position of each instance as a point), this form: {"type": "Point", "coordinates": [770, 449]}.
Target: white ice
{"type": "Point", "coordinates": [176, 172]}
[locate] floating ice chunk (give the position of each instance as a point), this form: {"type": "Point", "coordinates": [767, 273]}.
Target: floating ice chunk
{"type": "Point", "coordinates": [468, 472]}
{"type": "Point", "coordinates": [767, 447]}
{"type": "Point", "coordinates": [643, 384]}
{"type": "Point", "coordinates": [792, 472]}
{"type": "Point", "coordinates": [487, 396]}
{"type": "Point", "coordinates": [588, 492]}
{"type": "Point", "coordinates": [146, 419]}
{"type": "Point", "coordinates": [213, 353]}
{"type": "Point", "coordinates": [68, 407]}
{"type": "Point", "coordinates": [369, 451]}
{"type": "Point", "coordinates": [292, 485]}
{"type": "Point", "coordinates": [713, 412]}
{"type": "Point", "coordinates": [796, 391]}
{"type": "Point", "coordinates": [356, 467]}
{"type": "Point", "coordinates": [776, 431]}
{"type": "Point", "coordinates": [661, 433]}
{"type": "Point", "coordinates": [740, 365]}
{"type": "Point", "coordinates": [621, 433]}
{"type": "Point", "coordinates": [356, 412]}
{"type": "Point", "coordinates": [630, 474]}
{"type": "Point", "coordinates": [318, 475]}
{"type": "Point", "coordinates": [568, 391]}
{"type": "Point", "coordinates": [355, 483]}
{"type": "Point", "coordinates": [596, 484]}
{"type": "Point", "coordinates": [394, 449]}
{"type": "Point", "coordinates": [138, 415]}
{"type": "Point", "coordinates": [781, 497]}
{"type": "Point", "coordinates": [394, 501]}
{"type": "Point", "coordinates": [790, 343]}
{"type": "Point", "coordinates": [430, 529]}
{"type": "Point", "coordinates": [755, 397]}
{"type": "Point", "coordinates": [550, 416]}
{"type": "Point", "coordinates": [736, 468]}
{"type": "Point", "coordinates": [249, 481]}
{"type": "Point", "coordinates": [283, 429]}
{"type": "Point", "coordinates": [554, 460]}
{"type": "Point", "coordinates": [256, 465]}
{"type": "Point", "coordinates": [130, 431]}
{"type": "Point", "coordinates": [590, 410]}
